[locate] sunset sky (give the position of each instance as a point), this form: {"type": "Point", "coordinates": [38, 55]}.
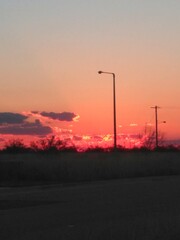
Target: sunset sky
{"type": "Point", "coordinates": [51, 52]}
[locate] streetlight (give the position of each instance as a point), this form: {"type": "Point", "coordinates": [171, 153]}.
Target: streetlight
{"type": "Point", "coordinates": [114, 106]}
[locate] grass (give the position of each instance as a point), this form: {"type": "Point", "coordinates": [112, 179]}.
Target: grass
{"type": "Point", "coordinates": [133, 228]}
{"type": "Point", "coordinates": [32, 168]}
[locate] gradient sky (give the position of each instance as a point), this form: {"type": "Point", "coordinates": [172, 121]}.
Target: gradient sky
{"type": "Point", "coordinates": [51, 52]}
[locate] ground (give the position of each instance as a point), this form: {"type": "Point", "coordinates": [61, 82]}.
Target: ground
{"type": "Point", "coordinates": [137, 208]}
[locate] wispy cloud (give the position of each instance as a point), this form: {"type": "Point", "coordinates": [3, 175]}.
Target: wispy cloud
{"type": "Point", "coordinates": [133, 124]}
{"type": "Point", "coordinates": [77, 138]}
{"type": "Point", "coordinates": [149, 124]}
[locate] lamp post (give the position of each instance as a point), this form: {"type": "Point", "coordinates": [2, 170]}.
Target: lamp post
{"type": "Point", "coordinates": [114, 106]}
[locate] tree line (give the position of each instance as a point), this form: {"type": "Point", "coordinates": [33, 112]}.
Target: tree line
{"type": "Point", "coordinates": [53, 145]}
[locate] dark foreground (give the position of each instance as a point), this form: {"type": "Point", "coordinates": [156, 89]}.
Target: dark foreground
{"type": "Point", "coordinates": [144, 208]}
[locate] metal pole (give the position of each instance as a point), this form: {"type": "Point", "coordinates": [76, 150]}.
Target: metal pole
{"type": "Point", "coordinates": [114, 107]}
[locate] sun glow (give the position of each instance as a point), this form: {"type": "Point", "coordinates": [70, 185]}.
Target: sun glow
{"type": "Point", "coordinates": [86, 137]}
{"type": "Point", "coordinates": [107, 138]}
{"type": "Point", "coordinates": [76, 119]}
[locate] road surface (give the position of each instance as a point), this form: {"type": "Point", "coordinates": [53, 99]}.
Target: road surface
{"type": "Point", "coordinates": [141, 208]}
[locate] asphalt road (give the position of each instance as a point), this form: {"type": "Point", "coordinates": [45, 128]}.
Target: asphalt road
{"type": "Point", "coordinates": [144, 208]}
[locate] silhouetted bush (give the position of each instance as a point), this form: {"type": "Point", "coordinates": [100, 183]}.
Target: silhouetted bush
{"type": "Point", "coordinates": [140, 149]}
{"type": "Point", "coordinates": [15, 146]}
{"type": "Point", "coordinates": [50, 145]}
{"type": "Point", "coordinates": [68, 149]}
{"type": "Point", "coordinates": [96, 149]}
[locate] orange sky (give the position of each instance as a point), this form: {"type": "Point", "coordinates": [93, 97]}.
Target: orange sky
{"type": "Point", "coordinates": [51, 52]}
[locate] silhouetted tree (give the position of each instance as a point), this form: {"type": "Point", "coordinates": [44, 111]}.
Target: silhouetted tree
{"type": "Point", "coordinates": [15, 146]}
{"type": "Point", "coordinates": [49, 144]}
{"type": "Point", "coordinates": [149, 138]}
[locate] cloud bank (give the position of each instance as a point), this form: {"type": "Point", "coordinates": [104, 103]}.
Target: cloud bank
{"type": "Point", "coordinates": [18, 124]}
{"type": "Point", "coordinates": [26, 128]}
{"type": "Point", "coordinates": [32, 123]}
{"type": "Point", "coordinates": [11, 118]}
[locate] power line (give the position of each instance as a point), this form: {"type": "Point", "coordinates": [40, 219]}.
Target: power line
{"type": "Point", "coordinates": [171, 107]}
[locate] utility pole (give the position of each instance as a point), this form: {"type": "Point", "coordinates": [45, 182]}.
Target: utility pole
{"type": "Point", "coordinates": [156, 123]}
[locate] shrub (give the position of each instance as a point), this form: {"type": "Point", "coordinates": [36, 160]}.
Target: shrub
{"type": "Point", "coordinates": [15, 146]}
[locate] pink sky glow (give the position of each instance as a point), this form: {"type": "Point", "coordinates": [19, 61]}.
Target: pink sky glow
{"type": "Point", "coordinates": [30, 126]}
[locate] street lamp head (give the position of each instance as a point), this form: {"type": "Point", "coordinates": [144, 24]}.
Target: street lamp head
{"type": "Point", "coordinates": [100, 72]}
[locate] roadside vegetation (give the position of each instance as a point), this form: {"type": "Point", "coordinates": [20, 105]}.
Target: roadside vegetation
{"type": "Point", "coordinates": [53, 161]}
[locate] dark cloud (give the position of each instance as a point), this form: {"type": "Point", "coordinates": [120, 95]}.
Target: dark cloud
{"type": "Point", "coordinates": [77, 138]}
{"type": "Point", "coordinates": [64, 116]}
{"type": "Point", "coordinates": [35, 128]}
{"type": "Point", "coordinates": [98, 138]}
{"type": "Point", "coordinates": [11, 118]}
{"type": "Point", "coordinates": [35, 112]}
